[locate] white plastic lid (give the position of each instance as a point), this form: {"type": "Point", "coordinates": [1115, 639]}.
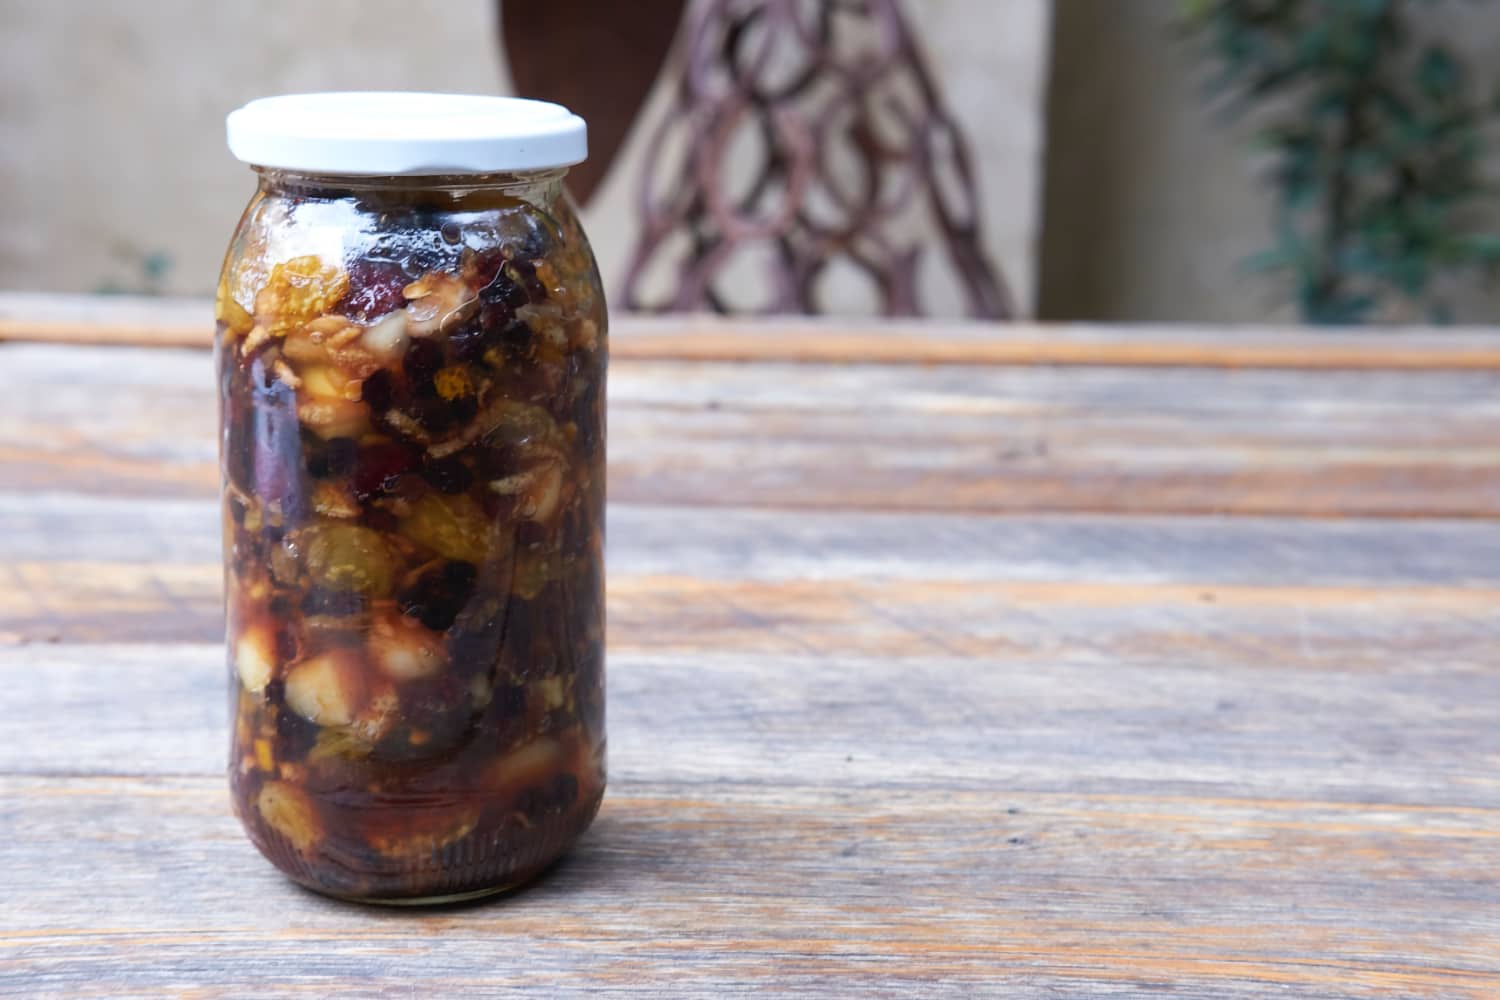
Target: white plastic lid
{"type": "Point", "coordinates": [374, 133]}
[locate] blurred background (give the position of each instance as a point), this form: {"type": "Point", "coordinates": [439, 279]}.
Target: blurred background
{"type": "Point", "coordinates": [1114, 160]}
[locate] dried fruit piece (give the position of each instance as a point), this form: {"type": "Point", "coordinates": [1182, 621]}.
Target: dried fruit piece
{"type": "Point", "coordinates": [237, 322]}
{"type": "Point", "coordinates": [438, 596]}
{"type": "Point", "coordinates": [375, 288]}
{"type": "Point", "coordinates": [287, 810]}
{"type": "Point", "coordinates": [349, 557]}
{"type": "Point", "coordinates": [453, 527]}
{"type": "Point", "coordinates": [450, 475]}
{"type": "Point", "coordinates": [378, 468]}
{"type": "Point", "coordinates": [422, 831]}
{"type": "Point", "coordinates": [299, 290]}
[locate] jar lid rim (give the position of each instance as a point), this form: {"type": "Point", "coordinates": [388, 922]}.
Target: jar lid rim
{"type": "Point", "coordinates": [377, 133]}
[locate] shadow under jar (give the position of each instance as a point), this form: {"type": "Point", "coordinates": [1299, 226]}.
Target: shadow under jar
{"type": "Point", "coordinates": [411, 371]}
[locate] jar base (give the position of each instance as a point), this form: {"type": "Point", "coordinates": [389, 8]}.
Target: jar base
{"type": "Point", "coordinates": [448, 899]}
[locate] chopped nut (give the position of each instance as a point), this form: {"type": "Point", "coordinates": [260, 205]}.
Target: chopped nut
{"type": "Point", "coordinates": [404, 650]}
{"type": "Point", "coordinates": [324, 381]}
{"type": "Point", "coordinates": [255, 658]}
{"type": "Point", "coordinates": [233, 315]}
{"type": "Point", "coordinates": [438, 302]}
{"type": "Point", "coordinates": [297, 291]}
{"type": "Point", "coordinates": [283, 371]}
{"type": "Point", "coordinates": [333, 418]}
{"type": "Point", "coordinates": [332, 500]}
{"type": "Point", "coordinates": [324, 327]}
{"type": "Point", "coordinates": [257, 338]}
{"type": "Point", "coordinates": [387, 339]}
{"type": "Point", "coordinates": [326, 689]}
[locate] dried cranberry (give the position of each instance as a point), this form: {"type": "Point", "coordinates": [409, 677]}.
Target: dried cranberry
{"type": "Point", "coordinates": [379, 467]}
{"type": "Point", "coordinates": [375, 288]}
{"type": "Point", "coordinates": [449, 475]}
{"type": "Point", "coordinates": [422, 361]}
{"type": "Point", "coordinates": [379, 391]}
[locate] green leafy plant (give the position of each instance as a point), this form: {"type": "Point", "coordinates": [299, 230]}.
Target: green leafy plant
{"type": "Point", "coordinates": [1377, 145]}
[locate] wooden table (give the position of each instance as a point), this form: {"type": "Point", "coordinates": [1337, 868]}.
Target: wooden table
{"type": "Point", "coordinates": [949, 661]}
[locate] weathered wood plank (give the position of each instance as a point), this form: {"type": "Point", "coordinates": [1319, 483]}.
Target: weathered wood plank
{"type": "Point", "coordinates": [1381, 729]}
{"type": "Point", "coordinates": [131, 421]}
{"type": "Point", "coordinates": [716, 890]}
{"type": "Point", "coordinates": [123, 320]}
{"type": "Point", "coordinates": [741, 543]}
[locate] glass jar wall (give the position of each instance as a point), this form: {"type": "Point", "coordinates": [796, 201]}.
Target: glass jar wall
{"type": "Point", "coordinates": [411, 378]}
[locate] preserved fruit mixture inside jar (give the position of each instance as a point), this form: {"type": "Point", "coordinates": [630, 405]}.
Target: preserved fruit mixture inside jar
{"type": "Point", "coordinates": [411, 360]}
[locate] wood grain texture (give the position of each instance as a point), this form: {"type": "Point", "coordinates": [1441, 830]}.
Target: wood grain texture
{"type": "Point", "coordinates": [717, 889]}
{"type": "Point", "coordinates": [942, 679]}
{"type": "Point", "coordinates": [1222, 441]}
{"type": "Point", "coordinates": [127, 321]}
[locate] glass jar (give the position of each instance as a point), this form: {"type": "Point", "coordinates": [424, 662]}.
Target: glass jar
{"type": "Point", "coordinates": [411, 366]}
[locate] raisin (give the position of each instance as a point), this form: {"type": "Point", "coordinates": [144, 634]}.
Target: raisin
{"type": "Point", "coordinates": [379, 391]}
{"type": "Point", "coordinates": [435, 415]}
{"type": "Point", "coordinates": [504, 293]}
{"type": "Point", "coordinates": [438, 596]}
{"type": "Point", "coordinates": [470, 342]}
{"type": "Point", "coordinates": [449, 475]}
{"type": "Point", "coordinates": [295, 736]}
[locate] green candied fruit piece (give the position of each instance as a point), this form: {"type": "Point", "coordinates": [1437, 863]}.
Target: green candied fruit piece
{"type": "Point", "coordinates": [350, 557]}
{"type": "Point", "coordinates": [454, 527]}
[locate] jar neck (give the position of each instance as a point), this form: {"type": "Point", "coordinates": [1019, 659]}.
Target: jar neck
{"type": "Point", "coordinates": [541, 187]}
